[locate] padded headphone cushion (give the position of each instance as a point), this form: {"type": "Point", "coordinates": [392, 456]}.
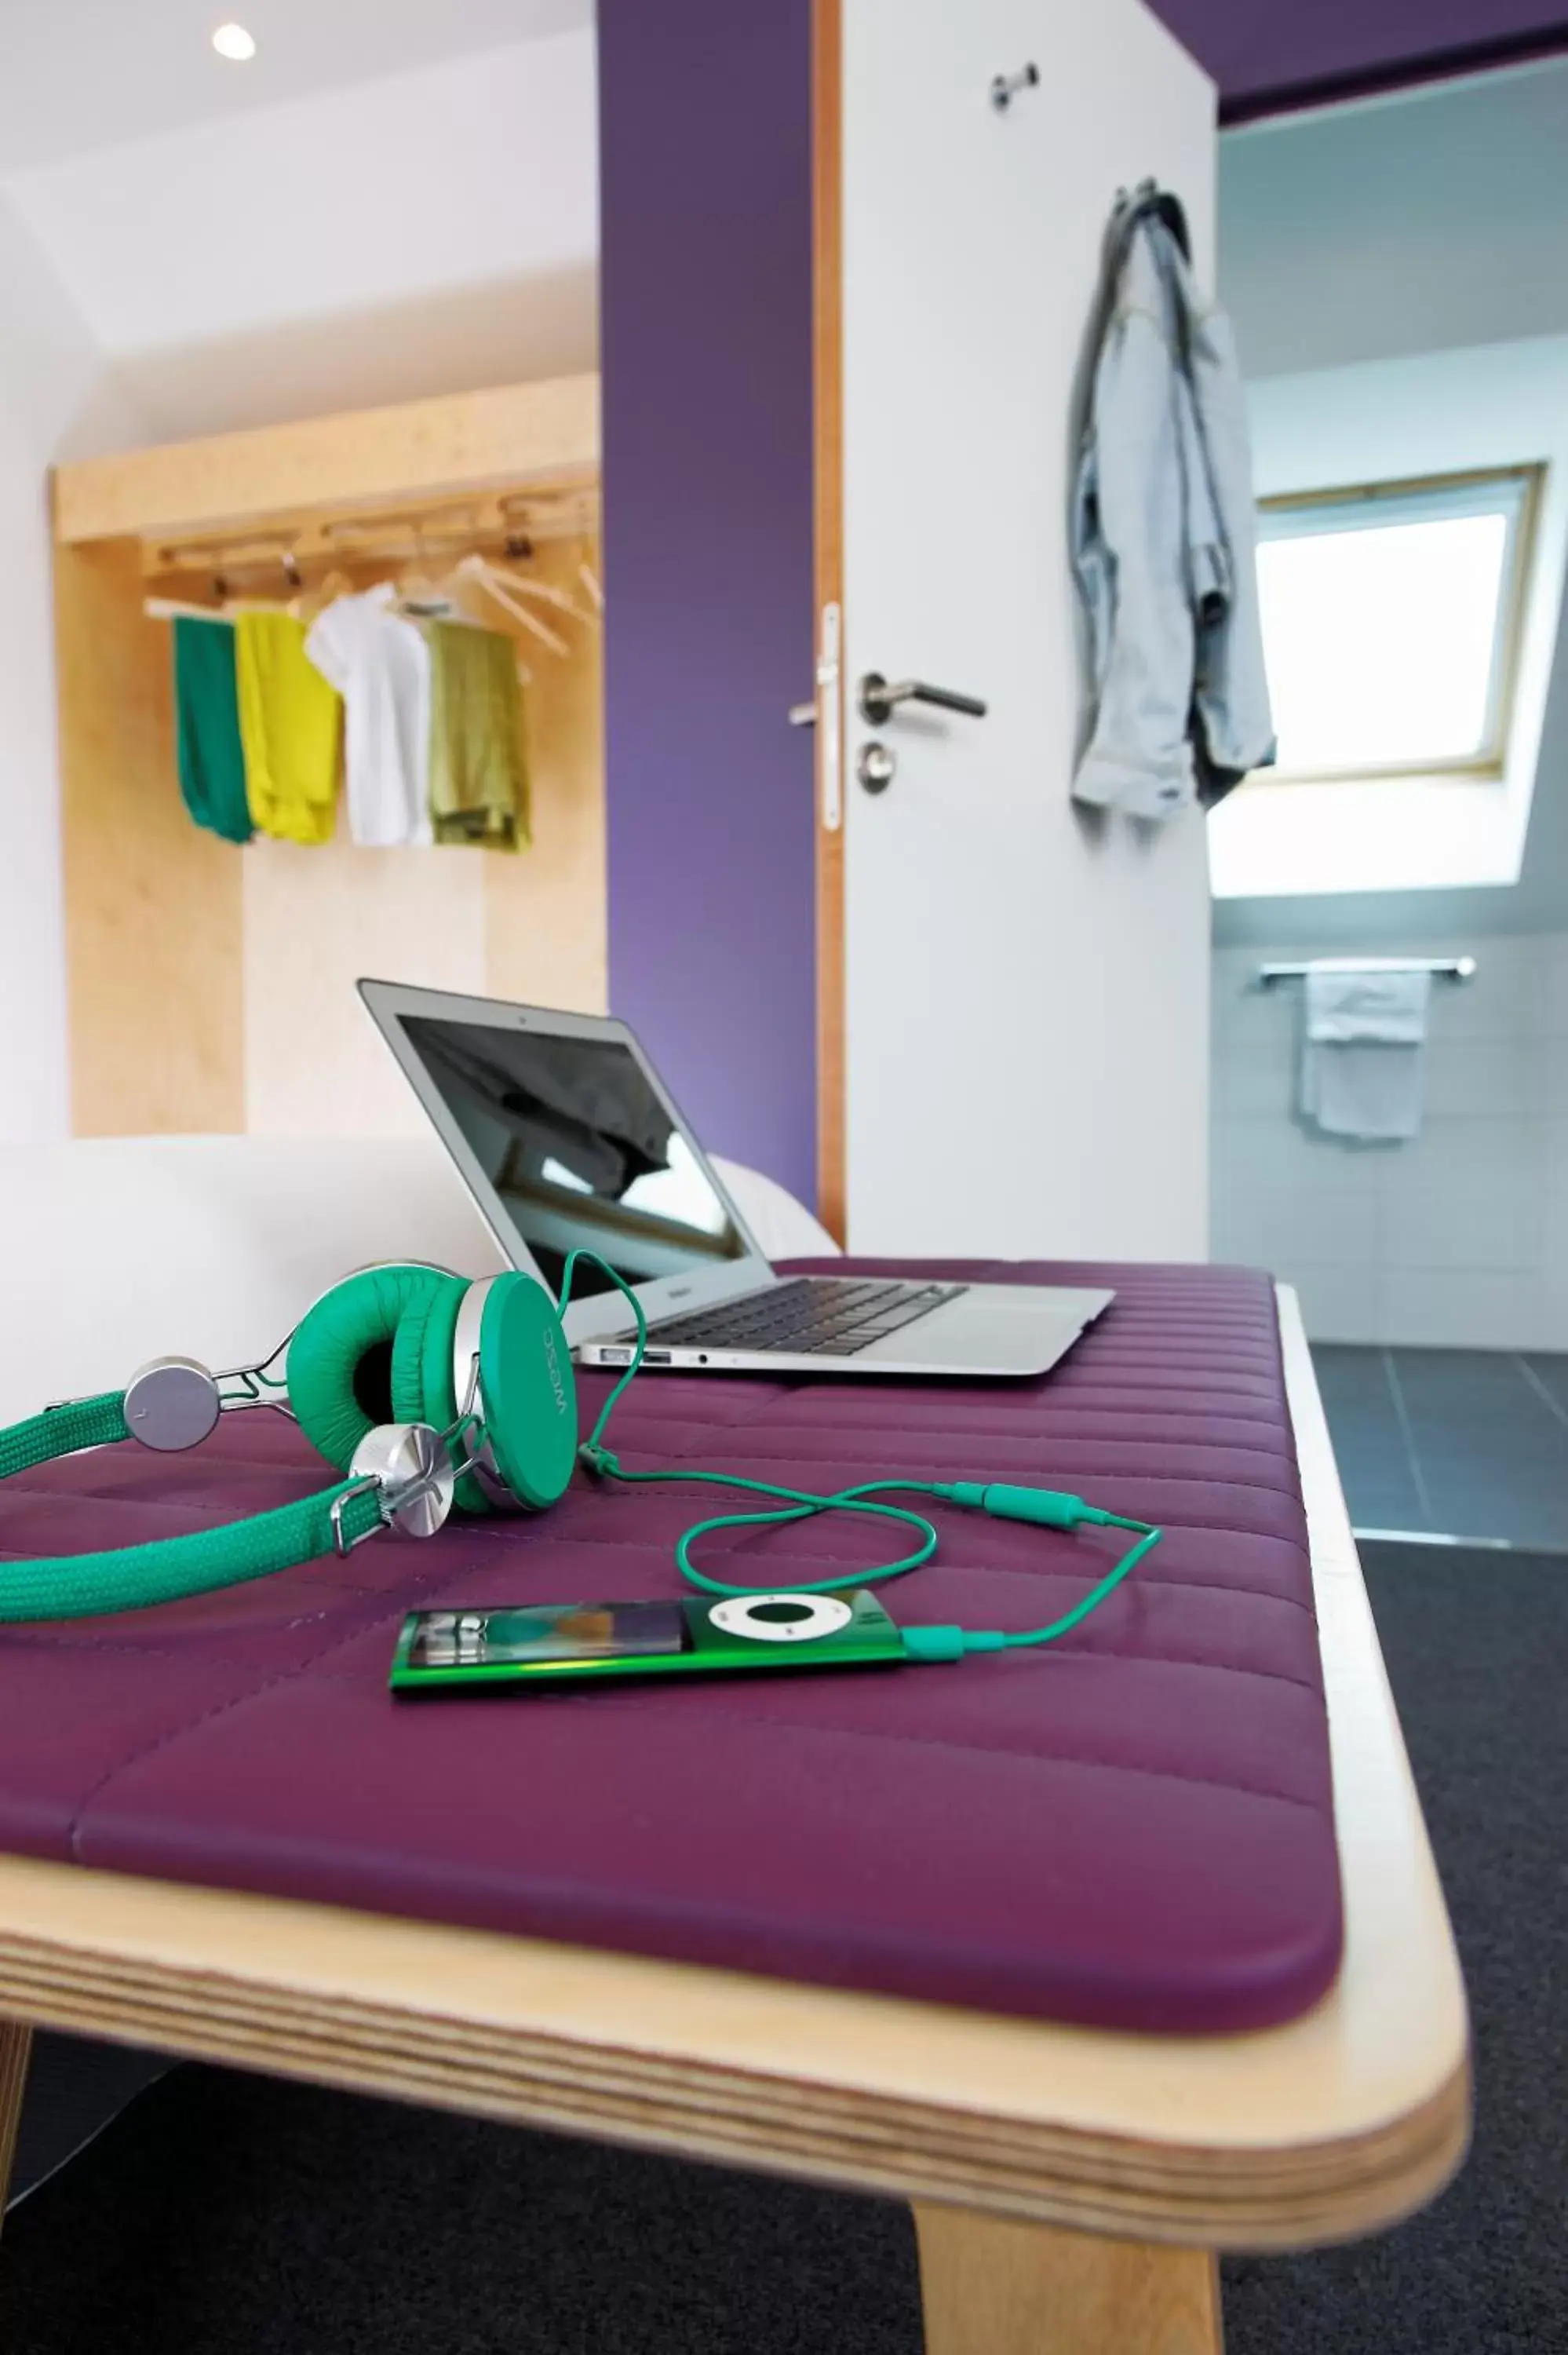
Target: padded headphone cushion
{"type": "Point", "coordinates": [424, 1385]}
{"type": "Point", "coordinates": [340, 1358]}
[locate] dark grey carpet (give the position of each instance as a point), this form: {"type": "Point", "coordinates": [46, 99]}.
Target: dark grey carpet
{"type": "Point", "coordinates": [1476, 1646]}
{"type": "Point", "coordinates": [224, 2215]}
{"type": "Point", "coordinates": [232, 2216]}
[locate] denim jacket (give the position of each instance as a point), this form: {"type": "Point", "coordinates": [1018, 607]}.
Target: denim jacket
{"type": "Point", "coordinates": [1164, 541]}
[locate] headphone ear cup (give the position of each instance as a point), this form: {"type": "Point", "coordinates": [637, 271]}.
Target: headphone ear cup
{"type": "Point", "coordinates": [340, 1357]}
{"type": "Point", "coordinates": [424, 1387]}
{"type": "Point", "coordinates": [530, 1395]}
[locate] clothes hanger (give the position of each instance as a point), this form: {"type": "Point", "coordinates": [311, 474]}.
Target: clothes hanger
{"type": "Point", "coordinates": [447, 605]}
{"type": "Point", "coordinates": [184, 609]}
{"type": "Point", "coordinates": [305, 604]}
{"type": "Point", "coordinates": [294, 603]}
{"type": "Point", "coordinates": [477, 569]}
{"type": "Point", "coordinates": [422, 598]}
{"type": "Point", "coordinates": [418, 587]}
{"type": "Point", "coordinates": [546, 592]}
{"type": "Point", "coordinates": [519, 545]}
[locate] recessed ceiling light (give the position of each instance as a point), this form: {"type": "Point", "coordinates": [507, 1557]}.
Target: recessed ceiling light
{"type": "Point", "coordinates": [232, 41]}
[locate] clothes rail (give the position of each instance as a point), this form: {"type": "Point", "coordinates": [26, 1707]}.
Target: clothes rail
{"type": "Point", "coordinates": [509, 521]}
{"type": "Point", "coordinates": [1441, 968]}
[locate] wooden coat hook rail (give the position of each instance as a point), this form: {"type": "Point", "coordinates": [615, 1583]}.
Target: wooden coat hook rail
{"type": "Point", "coordinates": [506, 522]}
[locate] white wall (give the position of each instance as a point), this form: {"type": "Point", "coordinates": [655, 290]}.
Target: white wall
{"type": "Point", "coordinates": [58, 398]}
{"type": "Point", "coordinates": [1415, 223]}
{"type": "Point", "coordinates": [424, 232]}
{"type": "Point", "coordinates": [420, 232]}
{"type": "Point", "coordinates": [1431, 225]}
{"type": "Point", "coordinates": [1458, 1239]}
{"type": "Point", "coordinates": [1027, 982]}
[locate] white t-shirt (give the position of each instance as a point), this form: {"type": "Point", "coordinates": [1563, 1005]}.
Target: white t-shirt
{"type": "Point", "coordinates": [380, 664]}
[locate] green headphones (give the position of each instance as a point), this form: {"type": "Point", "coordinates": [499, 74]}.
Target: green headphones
{"type": "Point", "coordinates": [422, 1389]}
{"type": "Point", "coordinates": [426, 1390]}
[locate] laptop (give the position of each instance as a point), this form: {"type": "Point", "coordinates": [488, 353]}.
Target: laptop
{"type": "Point", "coordinates": [568, 1139]}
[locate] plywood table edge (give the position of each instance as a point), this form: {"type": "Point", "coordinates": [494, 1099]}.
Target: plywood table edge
{"type": "Point", "coordinates": [1242, 2142]}
{"type": "Point", "coordinates": [1240, 2198]}
{"type": "Point", "coordinates": [545, 429]}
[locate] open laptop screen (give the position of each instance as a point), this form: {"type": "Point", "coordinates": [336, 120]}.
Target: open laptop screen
{"type": "Point", "coordinates": [579, 1149]}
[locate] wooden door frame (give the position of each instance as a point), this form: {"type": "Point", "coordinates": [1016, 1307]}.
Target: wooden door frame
{"type": "Point", "coordinates": [827, 281]}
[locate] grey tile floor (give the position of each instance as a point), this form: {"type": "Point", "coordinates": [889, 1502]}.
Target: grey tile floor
{"type": "Point", "coordinates": [1465, 1443]}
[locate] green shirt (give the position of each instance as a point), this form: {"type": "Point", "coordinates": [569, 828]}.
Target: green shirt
{"type": "Point", "coordinates": [207, 714]}
{"type": "Point", "coordinates": [479, 777]}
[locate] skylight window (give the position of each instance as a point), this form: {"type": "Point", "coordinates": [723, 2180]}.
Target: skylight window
{"type": "Point", "coordinates": [1392, 615]}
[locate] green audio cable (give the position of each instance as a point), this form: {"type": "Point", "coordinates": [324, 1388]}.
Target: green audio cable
{"type": "Point", "coordinates": [1046, 1507]}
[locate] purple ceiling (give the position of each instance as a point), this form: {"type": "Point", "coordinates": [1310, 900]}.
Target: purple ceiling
{"type": "Point", "coordinates": [1268, 59]}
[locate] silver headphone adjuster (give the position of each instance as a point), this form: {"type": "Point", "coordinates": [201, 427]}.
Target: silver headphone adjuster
{"type": "Point", "coordinates": [409, 1466]}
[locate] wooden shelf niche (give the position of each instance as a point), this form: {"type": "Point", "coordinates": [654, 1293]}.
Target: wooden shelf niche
{"type": "Point", "coordinates": [211, 988]}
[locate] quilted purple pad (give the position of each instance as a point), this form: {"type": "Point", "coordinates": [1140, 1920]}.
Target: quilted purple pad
{"type": "Point", "coordinates": [1132, 1829]}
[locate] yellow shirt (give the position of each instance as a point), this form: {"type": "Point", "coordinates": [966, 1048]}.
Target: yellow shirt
{"type": "Point", "coordinates": [290, 725]}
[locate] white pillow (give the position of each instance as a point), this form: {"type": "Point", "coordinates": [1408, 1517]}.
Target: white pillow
{"type": "Point", "coordinates": [125, 1248]}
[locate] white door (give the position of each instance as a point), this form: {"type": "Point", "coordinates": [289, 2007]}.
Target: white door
{"type": "Point", "coordinates": [1025, 989]}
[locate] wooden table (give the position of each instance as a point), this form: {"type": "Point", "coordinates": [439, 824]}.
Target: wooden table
{"type": "Point", "coordinates": [1070, 2186]}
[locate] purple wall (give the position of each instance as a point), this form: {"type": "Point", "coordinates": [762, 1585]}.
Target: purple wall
{"type": "Point", "coordinates": [705, 137]}
{"type": "Point", "coordinates": [1269, 58]}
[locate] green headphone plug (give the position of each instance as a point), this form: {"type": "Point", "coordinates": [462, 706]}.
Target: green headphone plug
{"type": "Point", "coordinates": [957, 1642]}
{"type": "Point", "coordinates": [1050, 1508]}
{"type": "Point", "coordinates": [950, 1643]}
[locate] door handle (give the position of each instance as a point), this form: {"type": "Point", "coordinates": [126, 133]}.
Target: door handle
{"type": "Point", "coordinates": [824, 712]}
{"type": "Point", "coordinates": [878, 700]}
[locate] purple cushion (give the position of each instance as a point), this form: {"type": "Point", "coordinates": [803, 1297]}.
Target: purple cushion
{"type": "Point", "coordinates": [1133, 1827]}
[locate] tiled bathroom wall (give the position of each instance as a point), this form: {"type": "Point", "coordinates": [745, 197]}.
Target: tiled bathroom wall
{"type": "Point", "coordinates": [1458, 1239]}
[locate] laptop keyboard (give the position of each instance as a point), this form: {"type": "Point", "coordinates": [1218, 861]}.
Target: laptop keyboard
{"type": "Point", "coordinates": [809, 1315]}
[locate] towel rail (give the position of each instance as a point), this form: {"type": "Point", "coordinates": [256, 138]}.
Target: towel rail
{"type": "Point", "coordinates": [1460, 968]}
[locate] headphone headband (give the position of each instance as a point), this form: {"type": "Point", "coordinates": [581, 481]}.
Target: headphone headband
{"type": "Point", "coordinates": [130, 1577]}
{"type": "Point", "coordinates": [509, 1417]}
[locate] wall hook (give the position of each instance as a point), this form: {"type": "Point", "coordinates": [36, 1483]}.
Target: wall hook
{"type": "Point", "coordinates": [1006, 87]}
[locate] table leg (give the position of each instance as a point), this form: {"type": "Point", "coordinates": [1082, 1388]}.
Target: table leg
{"type": "Point", "coordinates": [15, 2044]}
{"type": "Point", "coordinates": [990, 2287]}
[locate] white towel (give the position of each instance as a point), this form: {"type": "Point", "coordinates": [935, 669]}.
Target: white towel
{"type": "Point", "coordinates": [1361, 1063]}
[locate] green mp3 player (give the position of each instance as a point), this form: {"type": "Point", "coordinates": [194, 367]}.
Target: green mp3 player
{"type": "Point", "coordinates": [456, 1651]}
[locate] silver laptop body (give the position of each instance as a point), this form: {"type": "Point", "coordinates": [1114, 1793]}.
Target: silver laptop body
{"type": "Point", "coordinates": [567, 1138]}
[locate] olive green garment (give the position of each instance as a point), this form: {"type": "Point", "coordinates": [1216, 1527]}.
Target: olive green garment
{"type": "Point", "coordinates": [206, 713]}
{"type": "Point", "coordinates": [479, 775]}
